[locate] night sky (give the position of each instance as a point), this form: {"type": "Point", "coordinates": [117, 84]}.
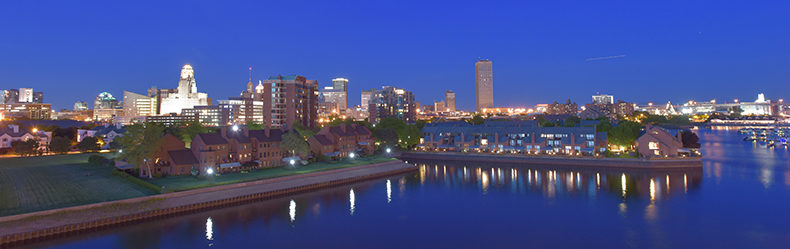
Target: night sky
{"type": "Point", "coordinates": [541, 51]}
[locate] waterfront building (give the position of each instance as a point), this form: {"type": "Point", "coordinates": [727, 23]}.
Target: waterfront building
{"type": "Point", "coordinates": [81, 106]}
{"type": "Point", "coordinates": [484, 84]}
{"type": "Point", "coordinates": [392, 102]}
{"type": "Point", "coordinates": [13, 133]}
{"type": "Point", "coordinates": [289, 99]}
{"type": "Point", "coordinates": [106, 133]}
{"type": "Point", "coordinates": [183, 97]}
{"type": "Point", "coordinates": [655, 141]}
{"type": "Point", "coordinates": [339, 141]}
{"type": "Point", "coordinates": [26, 111]}
{"type": "Point", "coordinates": [516, 136]}
{"type": "Point", "coordinates": [449, 99]}
{"type": "Point", "coordinates": [602, 99]}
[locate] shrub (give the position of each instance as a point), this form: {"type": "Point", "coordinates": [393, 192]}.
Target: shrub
{"type": "Point", "coordinates": [98, 160]}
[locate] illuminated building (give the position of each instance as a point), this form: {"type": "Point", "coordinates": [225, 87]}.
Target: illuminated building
{"type": "Point", "coordinates": [439, 106]}
{"type": "Point", "coordinates": [11, 96]}
{"type": "Point", "coordinates": [81, 106]}
{"type": "Point", "coordinates": [391, 102]}
{"type": "Point", "coordinates": [365, 98]}
{"type": "Point", "coordinates": [26, 111]}
{"type": "Point", "coordinates": [289, 99]}
{"type": "Point", "coordinates": [602, 99]}
{"type": "Point", "coordinates": [25, 95]}
{"type": "Point", "coordinates": [560, 109]}
{"type": "Point", "coordinates": [484, 84]}
{"type": "Point", "coordinates": [337, 93]}
{"type": "Point", "coordinates": [185, 96]}
{"type": "Point", "coordinates": [13, 133]}
{"type": "Point", "coordinates": [105, 100]}
{"type": "Point", "coordinates": [449, 100]}
{"type": "Point", "coordinates": [136, 105]}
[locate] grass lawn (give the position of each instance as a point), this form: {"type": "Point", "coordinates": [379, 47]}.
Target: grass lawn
{"type": "Point", "coordinates": [180, 183]}
{"type": "Point", "coordinates": [29, 184]}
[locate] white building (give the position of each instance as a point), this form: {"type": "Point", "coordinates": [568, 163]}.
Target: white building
{"type": "Point", "coordinates": [183, 97]}
{"type": "Point", "coordinates": [12, 133]}
{"type": "Point", "coordinates": [25, 95]}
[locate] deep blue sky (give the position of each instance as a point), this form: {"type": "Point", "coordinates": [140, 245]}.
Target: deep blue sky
{"type": "Point", "coordinates": [674, 50]}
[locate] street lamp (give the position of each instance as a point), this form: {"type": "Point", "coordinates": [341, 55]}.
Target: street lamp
{"type": "Point", "coordinates": [210, 171]}
{"type": "Point", "coordinates": [388, 150]}
{"type": "Point", "coordinates": [292, 162]}
{"type": "Point", "coordinates": [235, 128]}
{"type": "Point", "coordinates": [351, 155]}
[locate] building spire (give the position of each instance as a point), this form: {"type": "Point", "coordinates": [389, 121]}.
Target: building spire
{"type": "Point", "coordinates": [249, 83]}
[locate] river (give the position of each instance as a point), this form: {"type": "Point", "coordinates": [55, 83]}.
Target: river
{"type": "Point", "coordinates": [739, 199]}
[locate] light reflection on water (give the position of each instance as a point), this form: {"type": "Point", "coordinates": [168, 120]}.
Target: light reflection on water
{"type": "Point", "coordinates": [443, 201]}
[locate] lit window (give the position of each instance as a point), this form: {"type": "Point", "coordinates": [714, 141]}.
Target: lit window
{"type": "Point", "coordinates": [652, 145]}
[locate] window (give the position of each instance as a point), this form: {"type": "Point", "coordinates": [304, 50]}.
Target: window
{"type": "Point", "coordinates": [652, 145]}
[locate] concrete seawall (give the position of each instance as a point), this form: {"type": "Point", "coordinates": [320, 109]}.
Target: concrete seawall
{"type": "Point", "coordinates": [662, 163]}
{"type": "Point", "coordinates": [27, 227]}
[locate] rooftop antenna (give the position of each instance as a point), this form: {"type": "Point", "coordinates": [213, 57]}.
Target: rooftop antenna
{"type": "Point", "coordinates": [250, 74]}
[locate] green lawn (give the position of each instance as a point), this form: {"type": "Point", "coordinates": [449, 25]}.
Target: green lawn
{"type": "Point", "coordinates": [180, 183]}
{"type": "Point", "coordinates": [47, 182]}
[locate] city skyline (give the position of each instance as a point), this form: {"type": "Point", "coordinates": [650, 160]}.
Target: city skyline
{"type": "Point", "coordinates": [552, 54]}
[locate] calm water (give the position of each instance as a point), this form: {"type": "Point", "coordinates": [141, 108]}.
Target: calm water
{"type": "Point", "coordinates": [740, 199]}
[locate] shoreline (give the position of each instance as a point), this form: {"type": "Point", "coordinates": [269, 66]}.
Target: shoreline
{"type": "Point", "coordinates": [21, 228]}
{"type": "Point", "coordinates": [635, 163]}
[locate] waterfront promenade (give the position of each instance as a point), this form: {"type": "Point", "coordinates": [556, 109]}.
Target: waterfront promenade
{"type": "Point", "coordinates": [654, 163]}
{"type": "Point", "coordinates": [30, 226]}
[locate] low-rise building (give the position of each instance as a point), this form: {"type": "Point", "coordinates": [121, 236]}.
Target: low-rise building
{"type": "Point", "coordinates": [106, 133]}
{"type": "Point", "coordinates": [13, 133]}
{"type": "Point", "coordinates": [516, 136]}
{"type": "Point", "coordinates": [339, 141]}
{"type": "Point", "coordinates": [655, 141]}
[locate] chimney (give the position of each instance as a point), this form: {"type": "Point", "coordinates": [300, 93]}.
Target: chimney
{"type": "Point", "coordinates": [223, 131]}
{"type": "Point", "coordinates": [118, 125]}
{"type": "Point", "coordinates": [106, 125]}
{"type": "Point", "coordinates": [14, 128]}
{"type": "Point", "coordinates": [266, 130]}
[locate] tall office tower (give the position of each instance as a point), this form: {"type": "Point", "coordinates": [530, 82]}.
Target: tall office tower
{"type": "Point", "coordinates": [336, 94]}
{"type": "Point", "coordinates": [81, 106]}
{"type": "Point", "coordinates": [391, 102]}
{"type": "Point", "coordinates": [11, 96]}
{"type": "Point", "coordinates": [439, 106]}
{"type": "Point", "coordinates": [183, 97]}
{"type": "Point", "coordinates": [484, 84]}
{"type": "Point", "coordinates": [25, 95]}
{"type": "Point", "coordinates": [2, 96]}
{"type": "Point", "coordinates": [288, 99]}
{"type": "Point", "coordinates": [602, 99]}
{"type": "Point", "coordinates": [365, 98]}
{"type": "Point", "coordinates": [38, 97]}
{"type": "Point", "coordinates": [449, 100]}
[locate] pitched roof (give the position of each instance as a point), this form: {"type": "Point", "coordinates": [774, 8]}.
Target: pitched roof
{"type": "Point", "coordinates": [181, 157]}
{"type": "Point", "coordinates": [240, 138]}
{"type": "Point", "coordinates": [275, 135]}
{"type": "Point", "coordinates": [337, 130]}
{"type": "Point", "coordinates": [322, 139]}
{"type": "Point", "coordinates": [212, 138]}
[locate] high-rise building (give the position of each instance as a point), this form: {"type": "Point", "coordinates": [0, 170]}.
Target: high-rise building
{"type": "Point", "coordinates": [439, 106]}
{"type": "Point", "coordinates": [484, 84]}
{"type": "Point", "coordinates": [391, 102]}
{"type": "Point", "coordinates": [105, 100]}
{"type": "Point", "coordinates": [365, 98]}
{"type": "Point", "coordinates": [26, 111]}
{"type": "Point", "coordinates": [11, 96]}
{"type": "Point", "coordinates": [288, 99]}
{"type": "Point", "coordinates": [602, 99]}
{"type": "Point", "coordinates": [2, 96]}
{"type": "Point", "coordinates": [25, 95]}
{"type": "Point", "coordinates": [38, 97]}
{"type": "Point", "coordinates": [183, 97]}
{"type": "Point", "coordinates": [337, 93]}
{"type": "Point", "coordinates": [81, 106]}
{"type": "Point", "coordinates": [449, 100]}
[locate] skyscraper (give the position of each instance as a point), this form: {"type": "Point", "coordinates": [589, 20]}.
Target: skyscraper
{"type": "Point", "coordinates": [288, 99]}
{"type": "Point", "coordinates": [185, 96]}
{"type": "Point", "coordinates": [449, 100]}
{"type": "Point", "coordinates": [602, 99]}
{"type": "Point", "coordinates": [365, 98]}
{"type": "Point", "coordinates": [484, 82]}
{"type": "Point", "coordinates": [337, 93]}
{"type": "Point", "coordinates": [25, 95]}
{"type": "Point", "coordinates": [391, 102]}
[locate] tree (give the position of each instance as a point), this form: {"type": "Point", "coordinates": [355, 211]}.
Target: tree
{"type": "Point", "coordinates": [603, 126]}
{"type": "Point", "coordinates": [295, 144]}
{"type": "Point", "coordinates": [624, 133]}
{"type": "Point", "coordinates": [25, 148]}
{"type": "Point", "coordinates": [477, 119]}
{"type": "Point", "coordinates": [140, 143]}
{"type": "Point", "coordinates": [690, 139]}
{"type": "Point", "coordinates": [191, 129]}
{"type": "Point", "coordinates": [386, 136]}
{"type": "Point", "coordinates": [252, 125]}
{"type": "Point", "coordinates": [736, 111]}
{"type": "Point", "coordinates": [88, 144]}
{"type": "Point", "coordinates": [60, 145]}
{"type": "Point", "coordinates": [303, 130]}
{"type": "Point", "coordinates": [572, 121]}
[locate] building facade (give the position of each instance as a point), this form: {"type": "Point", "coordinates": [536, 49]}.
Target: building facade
{"type": "Point", "coordinates": [25, 111]}
{"type": "Point", "coordinates": [449, 100]}
{"type": "Point", "coordinates": [391, 102]}
{"type": "Point", "coordinates": [183, 97]}
{"type": "Point", "coordinates": [602, 99]}
{"type": "Point", "coordinates": [484, 84]}
{"type": "Point", "coordinates": [289, 99]}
